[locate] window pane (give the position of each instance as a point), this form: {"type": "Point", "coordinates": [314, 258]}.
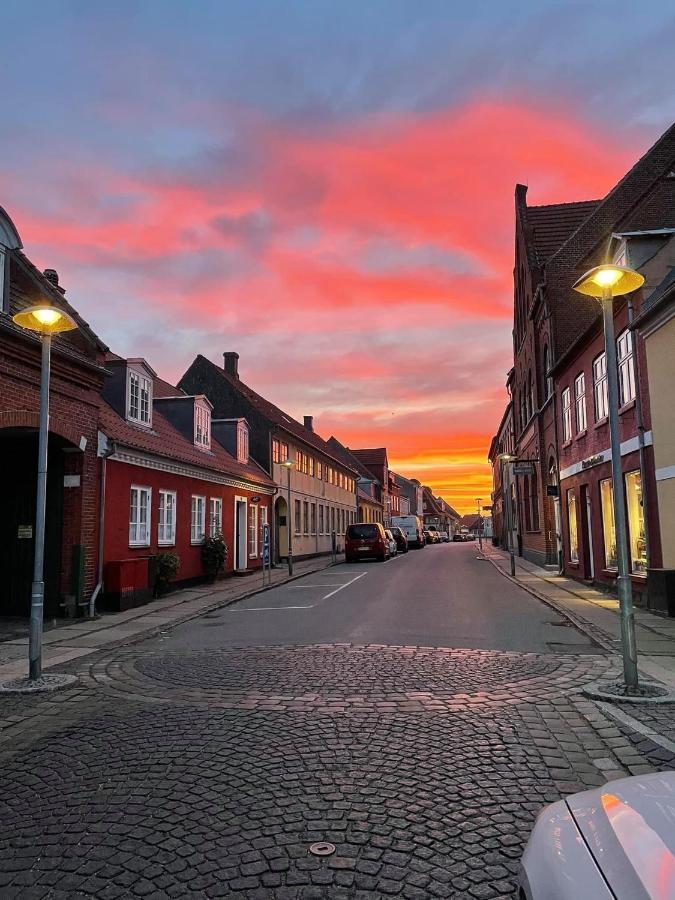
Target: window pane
{"type": "Point", "coordinates": [636, 523]}
{"type": "Point", "coordinates": [609, 534]}
{"type": "Point", "coordinates": [572, 517]}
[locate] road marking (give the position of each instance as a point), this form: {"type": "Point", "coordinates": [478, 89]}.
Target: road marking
{"type": "Point", "coordinates": [299, 587]}
{"type": "Point", "coordinates": [337, 590]}
{"type": "Point", "coordinates": [265, 608]}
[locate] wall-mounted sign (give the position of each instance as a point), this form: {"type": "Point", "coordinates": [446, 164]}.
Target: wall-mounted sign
{"type": "Point", "coordinates": [24, 532]}
{"type": "Point", "coordinates": [71, 480]}
{"type": "Point", "coordinates": [552, 490]}
{"type": "Point", "coordinates": [523, 468]}
{"type": "Point", "coordinates": [592, 461]}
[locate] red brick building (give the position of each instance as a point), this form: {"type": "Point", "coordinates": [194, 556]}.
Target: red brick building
{"type": "Point", "coordinates": [77, 375]}
{"type": "Point", "coordinates": [173, 476]}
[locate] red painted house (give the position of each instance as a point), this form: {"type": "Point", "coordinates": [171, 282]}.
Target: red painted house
{"type": "Point", "coordinates": [173, 475]}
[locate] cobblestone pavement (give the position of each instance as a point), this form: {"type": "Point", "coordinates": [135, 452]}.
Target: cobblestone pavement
{"type": "Point", "coordinates": [210, 774]}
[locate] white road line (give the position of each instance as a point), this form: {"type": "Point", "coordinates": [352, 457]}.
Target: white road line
{"type": "Point", "coordinates": [343, 586]}
{"type": "Point", "coordinates": [264, 608]}
{"type": "Point", "coordinates": [299, 587]}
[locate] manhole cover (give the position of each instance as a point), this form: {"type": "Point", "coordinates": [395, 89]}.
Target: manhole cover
{"type": "Point", "coordinates": [322, 848]}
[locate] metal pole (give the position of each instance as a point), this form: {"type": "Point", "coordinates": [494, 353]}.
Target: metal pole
{"type": "Point", "coordinates": [623, 584]}
{"type": "Point", "coordinates": [509, 523]}
{"type": "Point", "coordinates": [290, 530]}
{"type": "Point", "coordinates": [38, 586]}
{"type": "Point", "coordinates": [480, 528]}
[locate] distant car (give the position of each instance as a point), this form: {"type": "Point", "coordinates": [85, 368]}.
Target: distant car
{"type": "Point", "coordinates": [393, 546]}
{"type": "Point", "coordinates": [400, 537]}
{"type": "Point", "coordinates": [366, 539]}
{"type": "Point", "coordinates": [458, 537]}
{"type": "Point", "coordinates": [445, 537]}
{"type": "Point", "coordinates": [610, 843]}
{"type": "Point", "coordinates": [431, 536]}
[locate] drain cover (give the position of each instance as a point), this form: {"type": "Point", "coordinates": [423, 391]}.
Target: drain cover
{"type": "Point", "coordinates": [322, 848]}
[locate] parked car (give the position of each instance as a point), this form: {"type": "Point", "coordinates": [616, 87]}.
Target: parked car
{"type": "Point", "coordinates": [393, 546]}
{"type": "Point", "coordinates": [400, 537]}
{"type": "Point", "coordinates": [608, 843]}
{"type": "Point", "coordinates": [366, 539]}
{"type": "Point", "coordinates": [413, 529]}
{"type": "Point", "coordinates": [445, 537]}
{"type": "Point", "coordinates": [458, 537]}
{"type": "Point", "coordinates": [431, 537]}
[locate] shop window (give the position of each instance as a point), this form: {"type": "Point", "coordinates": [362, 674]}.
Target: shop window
{"type": "Point", "coordinates": [608, 530]}
{"type": "Point", "coordinates": [636, 524]}
{"type": "Point", "coordinates": [572, 523]}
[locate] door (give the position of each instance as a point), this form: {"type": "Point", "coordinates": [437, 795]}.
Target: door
{"type": "Point", "coordinates": [240, 534]}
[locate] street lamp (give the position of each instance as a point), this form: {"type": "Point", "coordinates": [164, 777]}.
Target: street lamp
{"type": "Point", "coordinates": [505, 459]}
{"type": "Point", "coordinates": [604, 283]}
{"type": "Point", "coordinates": [46, 320]}
{"type": "Point", "coordinates": [288, 465]}
{"type": "Point", "coordinates": [479, 500]}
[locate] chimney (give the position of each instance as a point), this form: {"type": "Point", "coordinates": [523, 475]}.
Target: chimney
{"type": "Point", "coordinates": [309, 423]}
{"type": "Point", "coordinates": [53, 276]}
{"type": "Point", "coordinates": [231, 364]}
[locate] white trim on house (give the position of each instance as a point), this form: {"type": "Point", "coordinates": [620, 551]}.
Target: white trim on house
{"type": "Point", "coordinates": [629, 446]}
{"type": "Point", "coordinates": [665, 473]}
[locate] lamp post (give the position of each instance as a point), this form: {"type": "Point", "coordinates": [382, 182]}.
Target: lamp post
{"type": "Point", "coordinates": [288, 465]}
{"type": "Point", "coordinates": [479, 500]}
{"type": "Point", "coordinates": [605, 283]}
{"type": "Point", "coordinates": [46, 320]}
{"type": "Point", "coordinates": [505, 459]}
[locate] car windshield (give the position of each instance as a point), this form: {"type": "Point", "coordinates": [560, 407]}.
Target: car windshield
{"type": "Point", "coordinates": [396, 531]}
{"type": "Point", "coordinates": [359, 532]}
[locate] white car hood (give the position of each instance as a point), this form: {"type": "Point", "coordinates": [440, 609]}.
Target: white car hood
{"type": "Point", "coordinates": [629, 827]}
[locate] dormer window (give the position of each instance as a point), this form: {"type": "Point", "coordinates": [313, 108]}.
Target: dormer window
{"type": "Point", "coordinates": [139, 392]}
{"type": "Point", "coordinates": [202, 426]}
{"type": "Point", "coordinates": [242, 442]}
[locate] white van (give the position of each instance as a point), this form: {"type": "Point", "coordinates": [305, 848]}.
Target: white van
{"type": "Point", "coordinates": [412, 527]}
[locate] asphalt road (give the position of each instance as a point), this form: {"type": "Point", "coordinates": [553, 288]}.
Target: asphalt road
{"type": "Point", "coordinates": [442, 596]}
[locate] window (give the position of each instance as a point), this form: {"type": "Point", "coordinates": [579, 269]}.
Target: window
{"type": "Point", "coordinates": [139, 398]}
{"type": "Point", "coordinates": [608, 530]}
{"type": "Point", "coordinates": [298, 460]}
{"type": "Point", "coordinates": [548, 380]}
{"type": "Point", "coordinates": [311, 466]}
{"type": "Point", "coordinates": [298, 523]}
{"type": "Point", "coordinates": [320, 518]}
{"type": "Point", "coordinates": [284, 452]}
{"type": "Point", "coordinates": [313, 522]}
{"type": "Point", "coordinates": [566, 415]}
{"type": "Point", "coordinates": [624, 352]}
{"type": "Point", "coordinates": [600, 397]}
{"type": "Point", "coordinates": [305, 464]}
{"type": "Point", "coordinates": [242, 442]}
{"type": "Point", "coordinates": [139, 517]}
{"type": "Point", "coordinates": [215, 516]}
{"type": "Point", "coordinates": [263, 522]}
{"type": "Point", "coordinates": [332, 518]}
{"type": "Point", "coordinates": [572, 522]}
{"type": "Point", "coordinates": [166, 519]}
{"type": "Point", "coordinates": [534, 500]}
{"type": "Point", "coordinates": [202, 426]}
{"type": "Point", "coordinates": [319, 470]}
{"type": "Point", "coordinates": [197, 520]}
{"type": "Point", "coordinates": [636, 524]}
{"type": "Point", "coordinates": [526, 503]}
{"type": "Point", "coordinates": [580, 401]}
{"type": "Point", "coordinates": [253, 530]}
{"type": "Point", "coordinates": [275, 451]}
{"type": "Point", "coordinates": [305, 517]}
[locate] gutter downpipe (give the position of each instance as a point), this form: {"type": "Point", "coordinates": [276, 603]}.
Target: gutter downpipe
{"type": "Point", "coordinates": [101, 527]}
{"type": "Point", "coordinates": [639, 422]}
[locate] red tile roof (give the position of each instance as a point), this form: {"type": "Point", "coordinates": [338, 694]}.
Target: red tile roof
{"type": "Point", "coordinates": [349, 458]}
{"type": "Point", "coordinates": [165, 441]}
{"type": "Point", "coordinates": [372, 456]}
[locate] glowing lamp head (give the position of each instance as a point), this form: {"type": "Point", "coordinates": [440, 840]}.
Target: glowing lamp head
{"type": "Point", "coordinates": [608, 279]}
{"type": "Point", "coordinates": [44, 319]}
{"type": "Point", "coordinates": [287, 463]}
{"type": "Point", "coordinates": [506, 457]}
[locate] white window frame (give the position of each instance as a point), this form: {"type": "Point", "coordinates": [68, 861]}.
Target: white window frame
{"type": "Point", "coordinates": [215, 516]}
{"type": "Point", "coordinates": [566, 403]}
{"type": "Point", "coordinates": [297, 516]}
{"type": "Point", "coordinates": [253, 531]}
{"type": "Point", "coordinates": [202, 426]}
{"type": "Point", "coordinates": [242, 442]}
{"type": "Point", "coordinates": [580, 402]}
{"type": "Point", "coordinates": [139, 390]}
{"type": "Point", "coordinates": [135, 522]}
{"type": "Point", "coordinates": [600, 392]}
{"type": "Point", "coordinates": [625, 358]}
{"type": "Point", "coordinates": [166, 518]}
{"type": "Point", "coordinates": [197, 518]}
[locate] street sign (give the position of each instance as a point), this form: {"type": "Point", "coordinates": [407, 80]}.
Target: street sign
{"type": "Point", "coordinates": [266, 544]}
{"type": "Point", "coordinates": [523, 468]}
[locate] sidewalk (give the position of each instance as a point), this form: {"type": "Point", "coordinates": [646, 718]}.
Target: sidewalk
{"type": "Point", "coordinates": [596, 614]}
{"type": "Point", "coordinates": [84, 636]}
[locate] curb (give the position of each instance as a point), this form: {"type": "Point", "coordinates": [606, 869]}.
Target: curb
{"type": "Point", "coordinates": [587, 628]}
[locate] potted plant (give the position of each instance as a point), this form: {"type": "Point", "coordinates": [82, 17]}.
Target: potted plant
{"type": "Point", "coordinates": [168, 565]}
{"type": "Point", "coordinates": [214, 554]}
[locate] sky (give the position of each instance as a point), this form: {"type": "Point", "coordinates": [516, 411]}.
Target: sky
{"type": "Point", "coordinates": [325, 188]}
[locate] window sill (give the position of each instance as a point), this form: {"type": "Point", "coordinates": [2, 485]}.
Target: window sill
{"type": "Point", "coordinates": [638, 577]}
{"type": "Point", "coordinates": [573, 565]}
{"type": "Point", "coordinates": [601, 422]}
{"type": "Point", "coordinates": [139, 546]}
{"type": "Point", "coordinates": [166, 543]}
{"type": "Point", "coordinates": [626, 407]}
{"type": "Point", "coordinates": [581, 434]}
{"type": "Point", "coordinates": [197, 543]}
{"type": "Point", "coordinates": [567, 444]}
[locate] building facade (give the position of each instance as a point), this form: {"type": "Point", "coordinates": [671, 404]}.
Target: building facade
{"type": "Point", "coordinates": [316, 495]}
{"type": "Point", "coordinates": [411, 491]}
{"type": "Point", "coordinates": [504, 532]}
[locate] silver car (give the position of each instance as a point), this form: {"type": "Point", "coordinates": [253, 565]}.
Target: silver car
{"type": "Point", "coordinates": [616, 842]}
